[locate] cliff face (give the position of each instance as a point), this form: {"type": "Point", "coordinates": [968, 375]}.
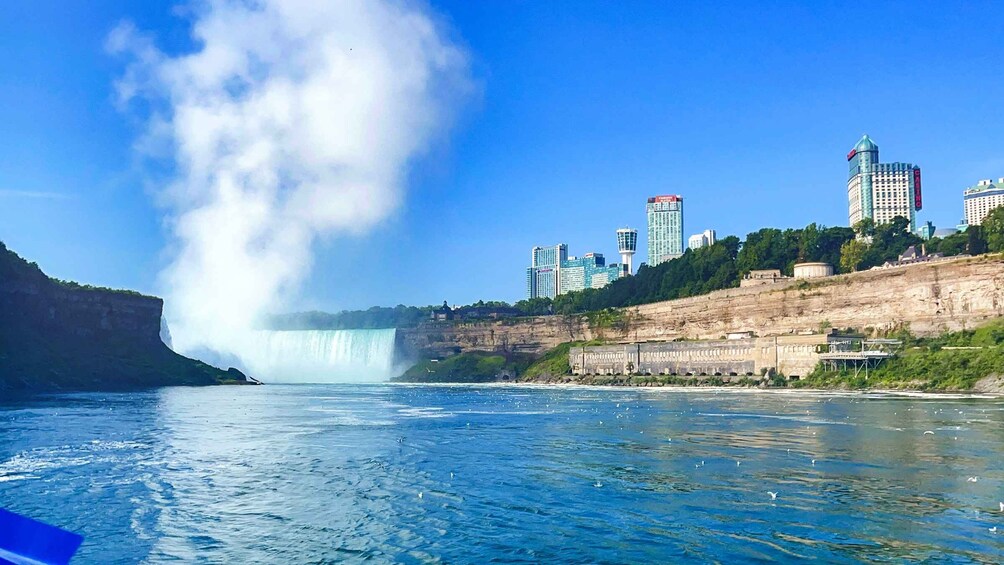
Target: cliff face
{"type": "Point", "coordinates": [927, 298]}
{"type": "Point", "coordinates": [56, 335]}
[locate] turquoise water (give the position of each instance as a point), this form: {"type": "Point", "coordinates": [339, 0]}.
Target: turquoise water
{"type": "Point", "coordinates": [358, 473]}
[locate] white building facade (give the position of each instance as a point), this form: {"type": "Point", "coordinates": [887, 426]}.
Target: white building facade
{"type": "Point", "coordinates": [981, 199]}
{"type": "Point", "coordinates": [703, 239]}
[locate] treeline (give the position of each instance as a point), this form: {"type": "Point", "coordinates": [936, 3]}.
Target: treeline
{"type": "Point", "coordinates": [377, 317]}
{"type": "Point", "coordinates": [704, 270]}
{"type": "Point", "coordinates": [723, 264]}
{"type": "Point", "coordinates": [711, 268]}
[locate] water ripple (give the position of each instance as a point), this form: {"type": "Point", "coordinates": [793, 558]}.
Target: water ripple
{"type": "Point", "coordinates": [500, 474]}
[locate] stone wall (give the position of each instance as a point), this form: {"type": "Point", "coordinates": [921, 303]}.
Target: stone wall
{"type": "Point", "coordinates": [928, 298]}
{"type": "Point", "coordinates": [788, 355]}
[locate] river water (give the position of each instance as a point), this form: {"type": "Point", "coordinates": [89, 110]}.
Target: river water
{"type": "Point", "coordinates": [415, 474]}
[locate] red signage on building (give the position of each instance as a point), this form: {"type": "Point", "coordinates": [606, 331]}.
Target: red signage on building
{"type": "Point", "coordinates": [917, 199]}
{"type": "Point", "coordinates": [666, 198]}
{"type": "Point", "coordinates": [852, 154]}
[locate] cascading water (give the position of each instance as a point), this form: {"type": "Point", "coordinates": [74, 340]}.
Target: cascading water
{"type": "Point", "coordinates": [321, 356]}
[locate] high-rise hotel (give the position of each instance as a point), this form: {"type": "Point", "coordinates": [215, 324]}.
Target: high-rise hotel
{"type": "Point", "coordinates": [881, 191]}
{"type": "Point", "coordinates": [665, 228]}
{"type": "Point", "coordinates": [981, 199]}
{"type": "Point", "coordinates": [543, 276]}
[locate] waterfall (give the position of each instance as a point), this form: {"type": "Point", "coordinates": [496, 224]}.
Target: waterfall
{"type": "Point", "coordinates": [321, 356]}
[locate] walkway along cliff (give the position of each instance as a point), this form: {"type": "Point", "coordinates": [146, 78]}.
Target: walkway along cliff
{"type": "Point", "coordinates": [926, 298]}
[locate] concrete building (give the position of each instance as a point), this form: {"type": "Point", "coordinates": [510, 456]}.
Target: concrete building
{"type": "Point", "coordinates": [762, 277]}
{"type": "Point", "coordinates": [981, 199]}
{"type": "Point", "coordinates": [543, 276]}
{"type": "Point", "coordinates": [792, 356]}
{"type": "Point", "coordinates": [926, 230]}
{"type": "Point", "coordinates": [665, 228]}
{"type": "Point", "coordinates": [813, 270]}
{"type": "Point", "coordinates": [588, 271]}
{"type": "Point", "coordinates": [627, 244]}
{"type": "Point", "coordinates": [703, 239]}
{"type": "Point", "coordinates": [881, 191]}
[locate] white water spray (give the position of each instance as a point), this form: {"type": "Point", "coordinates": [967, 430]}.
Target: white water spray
{"type": "Point", "coordinates": [291, 120]}
{"type": "Point", "coordinates": [322, 356]}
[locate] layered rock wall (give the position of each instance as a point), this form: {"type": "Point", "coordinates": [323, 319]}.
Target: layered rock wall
{"type": "Point", "coordinates": [927, 298]}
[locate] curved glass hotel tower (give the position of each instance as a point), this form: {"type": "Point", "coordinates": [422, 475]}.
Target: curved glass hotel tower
{"type": "Point", "coordinates": [881, 191]}
{"type": "Point", "coordinates": [543, 276]}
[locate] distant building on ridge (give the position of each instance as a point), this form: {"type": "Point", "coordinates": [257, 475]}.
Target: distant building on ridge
{"type": "Point", "coordinates": [665, 228]}
{"type": "Point", "coordinates": [588, 271]}
{"type": "Point", "coordinates": [543, 276]}
{"type": "Point", "coordinates": [881, 191]}
{"type": "Point", "coordinates": [981, 199]}
{"type": "Point", "coordinates": [703, 239]}
{"type": "Point", "coordinates": [627, 244]}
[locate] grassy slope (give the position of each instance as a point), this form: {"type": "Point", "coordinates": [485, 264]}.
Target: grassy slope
{"type": "Point", "coordinates": [928, 363]}
{"type": "Point", "coordinates": [470, 367]}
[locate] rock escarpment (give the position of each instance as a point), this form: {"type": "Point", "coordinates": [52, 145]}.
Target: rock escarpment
{"type": "Point", "coordinates": [927, 298]}
{"type": "Point", "coordinates": [62, 336]}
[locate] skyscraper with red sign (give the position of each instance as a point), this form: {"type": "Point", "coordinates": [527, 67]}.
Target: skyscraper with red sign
{"type": "Point", "coordinates": [665, 228]}
{"type": "Point", "coordinates": [881, 191]}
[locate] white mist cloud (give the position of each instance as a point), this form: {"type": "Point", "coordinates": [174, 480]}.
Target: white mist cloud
{"type": "Point", "coordinates": [289, 121]}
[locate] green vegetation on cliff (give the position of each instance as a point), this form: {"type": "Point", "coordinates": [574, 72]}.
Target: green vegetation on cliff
{"type": "Point", "coordinates": [56, 335]}
{"type": "Point", "coordinates": [701, 271]}
{"type": "Point", "coordinates": [469, 367]}
{"type": "Point", "coordinates": [554, 363]}
{"type": "Point", "coordinates": [954, 361]}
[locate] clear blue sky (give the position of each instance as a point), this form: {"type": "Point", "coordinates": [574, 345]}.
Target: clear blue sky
{"type": "Point", "coordinates": [747, 109]}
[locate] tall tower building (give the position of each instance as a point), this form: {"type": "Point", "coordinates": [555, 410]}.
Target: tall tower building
{"type": "Point", "coordinates": [665, 228]}
{"type": "Point", "coordinates": [881, 191]}
{"type": "Point", "coordinates": [627, 244]}
{"type": "Point", "coordinates": [543, 276]}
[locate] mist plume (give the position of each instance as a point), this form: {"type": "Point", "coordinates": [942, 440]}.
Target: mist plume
{"type": "Point", "coordinates": [288, 121]}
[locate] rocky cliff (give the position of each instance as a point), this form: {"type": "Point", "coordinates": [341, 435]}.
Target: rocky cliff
{"type": "Point", "coordinates": [926, 298]}
{"type": "Point", "coordinates": [57, 335]}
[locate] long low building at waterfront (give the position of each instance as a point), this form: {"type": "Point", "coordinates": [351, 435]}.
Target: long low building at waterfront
{"type": "Point", "coordinates": [792, 356]}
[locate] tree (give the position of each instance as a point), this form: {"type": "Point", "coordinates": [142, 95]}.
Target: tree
{"type": "Point", "coordinates": [955, 244]}
{"type": "Point", "coordinates": [993, 230]}
{"type": "Point", "coordinates": [888, 242]}
{"type": "Point", "coordinates": [975, 242]}
{"type": "Point", "coordinates": [852, 253]}
{"type": "Point", "coordinates": [540, 306]}
{"type": "Point", "coordinates": [864, 227]}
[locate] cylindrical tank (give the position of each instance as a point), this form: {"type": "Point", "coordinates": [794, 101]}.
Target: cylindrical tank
{"type": "Point", "coordinates": [813, 270]}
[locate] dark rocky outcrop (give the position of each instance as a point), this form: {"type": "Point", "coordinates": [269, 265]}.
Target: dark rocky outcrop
{"type": "Point", "coordinates": [57, 335]}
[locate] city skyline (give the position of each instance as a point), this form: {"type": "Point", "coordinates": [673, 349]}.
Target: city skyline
{"type": "Point", "coordinates": [761, 151]}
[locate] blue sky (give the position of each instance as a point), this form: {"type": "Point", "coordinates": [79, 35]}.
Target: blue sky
{"type": "Point", "coordinates": [583, 110]}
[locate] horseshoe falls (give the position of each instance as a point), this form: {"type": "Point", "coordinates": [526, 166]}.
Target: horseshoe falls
{"type": "Point", "coordinates": [321, 356]}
